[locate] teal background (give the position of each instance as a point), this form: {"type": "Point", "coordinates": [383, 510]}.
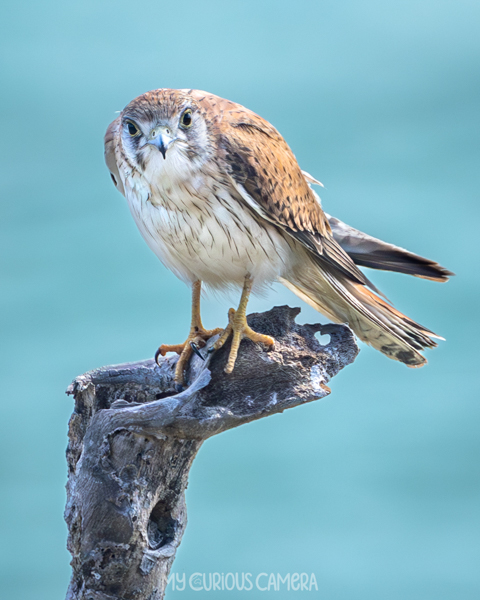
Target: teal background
{"type": "Point", "coordinates": [374, 489]}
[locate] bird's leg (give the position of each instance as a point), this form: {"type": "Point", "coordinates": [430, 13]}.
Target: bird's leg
{"type": "Point", "coordinates": [238, 326]}
{"type": "Point", "coordinates": [197, 337]}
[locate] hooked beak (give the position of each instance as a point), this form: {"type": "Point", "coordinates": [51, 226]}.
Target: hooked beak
{"type": "Point", "coordinates": [161, 138]}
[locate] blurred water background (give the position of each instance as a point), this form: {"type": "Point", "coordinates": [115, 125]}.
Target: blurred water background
{"type": "Point", "coordinates": [376, 488]}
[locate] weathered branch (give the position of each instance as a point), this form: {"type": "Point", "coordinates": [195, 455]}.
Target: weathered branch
{"type": "Point", "coordinates": [132, 440]}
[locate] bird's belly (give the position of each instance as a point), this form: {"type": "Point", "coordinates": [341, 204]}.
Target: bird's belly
{"type": "Point", "coordinates": [213, 242]}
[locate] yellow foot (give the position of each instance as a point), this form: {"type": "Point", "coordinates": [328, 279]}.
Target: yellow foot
{"type": "Point", "coordinates": [237, 324]}
{"type": "Point", "coordinates": [197, 338]}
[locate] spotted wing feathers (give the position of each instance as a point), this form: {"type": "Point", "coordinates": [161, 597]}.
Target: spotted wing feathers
{"type": "Point", "coordinates": [268, 179]}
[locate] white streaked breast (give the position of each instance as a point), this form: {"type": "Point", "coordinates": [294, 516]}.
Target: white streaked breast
{"type": "Point", "coordinates": [208, 235]}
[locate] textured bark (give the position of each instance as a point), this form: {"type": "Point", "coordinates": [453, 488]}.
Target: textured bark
{"type": "Point", "coordinates": [132, 440]}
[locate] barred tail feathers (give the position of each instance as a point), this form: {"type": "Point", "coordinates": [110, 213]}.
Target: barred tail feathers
{"type": "Point", "coordinates": [372, 319]}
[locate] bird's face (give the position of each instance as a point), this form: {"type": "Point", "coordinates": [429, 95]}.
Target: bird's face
{"type": "Point", "coordinates": [164, 135]}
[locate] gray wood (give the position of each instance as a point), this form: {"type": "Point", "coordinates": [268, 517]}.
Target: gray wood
{"type": "Point", "coordinates": [132, 441]}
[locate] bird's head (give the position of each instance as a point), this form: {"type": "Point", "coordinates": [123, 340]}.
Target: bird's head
{"type": "Point", "coordinates": [163, 133]}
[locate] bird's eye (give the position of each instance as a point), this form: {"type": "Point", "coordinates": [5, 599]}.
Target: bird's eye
{"type": "Point", "coordinates": [132, 129]}
{"type": "Point", "coordinates": [186, 119]}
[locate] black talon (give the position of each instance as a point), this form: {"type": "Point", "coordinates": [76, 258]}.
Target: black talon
{"type": "Point", "coordinates": [157, 354]}
{"type": "Point", "coordinates": [194, 347]}
{"type": "Point", "coordinates": [179, 388]}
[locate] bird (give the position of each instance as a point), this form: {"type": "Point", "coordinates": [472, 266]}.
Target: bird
{"type": "Point", "coordinates": [220, 198]}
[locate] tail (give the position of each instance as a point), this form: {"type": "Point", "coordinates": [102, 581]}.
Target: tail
{"type": "Point", "coordinates": [372, 319]}
{"type": "Point", "coordinates": [367, 251]}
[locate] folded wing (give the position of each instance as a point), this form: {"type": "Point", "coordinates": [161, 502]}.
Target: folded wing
{"type": "Point", "coordinates": [367, 251]}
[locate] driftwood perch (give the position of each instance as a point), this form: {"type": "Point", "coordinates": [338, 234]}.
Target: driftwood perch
{"type": "Point", "coordinates": [132, 441]}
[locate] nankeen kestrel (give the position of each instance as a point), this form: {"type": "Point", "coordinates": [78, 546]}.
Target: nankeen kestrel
{"type": "Point", "coordinates": [220, 198]}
